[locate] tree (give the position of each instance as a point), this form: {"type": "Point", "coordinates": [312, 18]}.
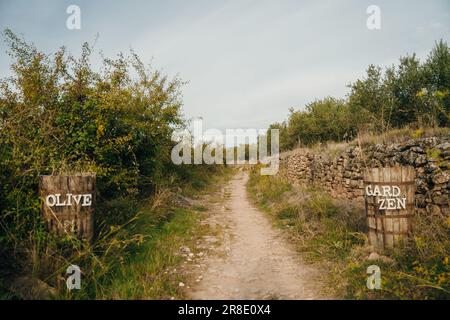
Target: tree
{"type": "Point", "coordinates": [436, 71]}
{"type": "Point", "coordinates": [410, 94]}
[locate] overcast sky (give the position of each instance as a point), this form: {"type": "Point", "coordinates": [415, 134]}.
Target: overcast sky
{"type": "Point", "coordinates": [246, 61]}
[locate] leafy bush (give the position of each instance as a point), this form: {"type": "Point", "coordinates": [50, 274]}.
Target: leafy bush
{"type": "Point", "coordinates": [411, 94]}
{"type": "Point", "coordinates": [60, 116]}
{"type": "Point", "coordinates": [57, 115]}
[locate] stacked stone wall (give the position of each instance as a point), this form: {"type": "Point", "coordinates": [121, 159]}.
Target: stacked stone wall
{"type": "Point", "coordinates": [341, 174]}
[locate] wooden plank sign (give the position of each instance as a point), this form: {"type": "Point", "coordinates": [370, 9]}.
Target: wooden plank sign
{"type": "Point", "coordinates": [68, 204]}
{"type": "Point", "coordinates": [389, 198]}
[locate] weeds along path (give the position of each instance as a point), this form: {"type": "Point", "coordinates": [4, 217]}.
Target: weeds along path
{"type": "Point", "coordinates": [254, 260]}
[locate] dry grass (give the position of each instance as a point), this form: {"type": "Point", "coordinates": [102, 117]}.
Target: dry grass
{"type": "Point", "coordinates": [137, 242]}
{"type": "Point", "coordinates": [365, 139]}
{"type": "Point", "coordinates": [332, 233]}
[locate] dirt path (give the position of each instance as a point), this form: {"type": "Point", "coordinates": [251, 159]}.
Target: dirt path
{"type": "Point", "coordinates": [254, 260]}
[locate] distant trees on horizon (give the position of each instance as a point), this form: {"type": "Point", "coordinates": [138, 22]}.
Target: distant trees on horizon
{"type": "Point", "coordinates": [413, 93]}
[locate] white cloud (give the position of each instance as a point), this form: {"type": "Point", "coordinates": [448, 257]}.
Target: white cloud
{"type": "Point", "coordinates": [246, 61]}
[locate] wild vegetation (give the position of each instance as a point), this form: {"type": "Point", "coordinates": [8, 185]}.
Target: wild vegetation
{"type": "Point", "coordinates": [413, 93]}
{"type": "Point", "coordinates": [401, 102]}
{"type": "Point", "coordinates": [333, 233]}
{"type": "Point", "coordinates": [60, 116]}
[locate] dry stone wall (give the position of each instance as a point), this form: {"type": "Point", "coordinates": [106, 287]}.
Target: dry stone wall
{"type": "Point", "coordinates": [341, 174]}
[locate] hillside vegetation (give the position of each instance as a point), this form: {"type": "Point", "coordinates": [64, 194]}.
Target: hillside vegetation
{"type": "Point", "coordinates": [332, 232]}
{"type": "Point", "coordinates": [401, 102]}
{"type": "Point", "coordinates": [413, 93]}
{"type": "Point", "coordinates": [60, 116]}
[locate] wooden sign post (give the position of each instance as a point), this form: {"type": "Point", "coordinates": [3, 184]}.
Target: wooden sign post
{"type": "Point", "coordinates": [68, 204]}
{"type": "Point", "coordinates": [389, 197]}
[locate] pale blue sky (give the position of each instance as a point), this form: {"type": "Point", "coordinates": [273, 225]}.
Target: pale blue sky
{"type": "Point", "coordinates": [246, 61]}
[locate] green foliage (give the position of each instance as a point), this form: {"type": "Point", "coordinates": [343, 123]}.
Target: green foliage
{"type": "Point", "coordinates": [323, 120]}
{"type": "Point", "coordinates": [57, 115]}
{"type": "Point", "coordinates": [332, 233]}
{"type": "Point", "coordinates": [265, 190]}
{"type": "Point", "coordinates": [321, 227]}
{"type": "Point", "coordinates": [60, 116]}
{"type": "Point", "coordinates": [420, 267]}
{"type": "Point", "coordinates": [411, 94]}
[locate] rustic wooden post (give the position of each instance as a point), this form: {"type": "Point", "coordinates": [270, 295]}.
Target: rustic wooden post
{"type": "Point", "coordinates": [389, 197]}
{"type": "Point", "coordinates": [68, 204]}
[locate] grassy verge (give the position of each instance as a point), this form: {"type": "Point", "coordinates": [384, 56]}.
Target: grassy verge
{"type": "Point", "coordinates": [332, 233]}
{"type": "Point", "coordinates": [149, 268]}
{"type": "Point", "coordinates": [135, 255]}
{"type": "Point", "coordinates": [148, 272]}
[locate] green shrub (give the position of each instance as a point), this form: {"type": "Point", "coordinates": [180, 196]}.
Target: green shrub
{"type": "Point", "coordinates": [60, 116]}
{"type": "Point", "coordinates": [413, 93]}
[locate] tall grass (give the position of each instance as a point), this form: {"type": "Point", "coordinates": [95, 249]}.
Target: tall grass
{"type": "Point", "coordinates": [393, 136]}
{"type": "Point", "coordinates": [136, 241]}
